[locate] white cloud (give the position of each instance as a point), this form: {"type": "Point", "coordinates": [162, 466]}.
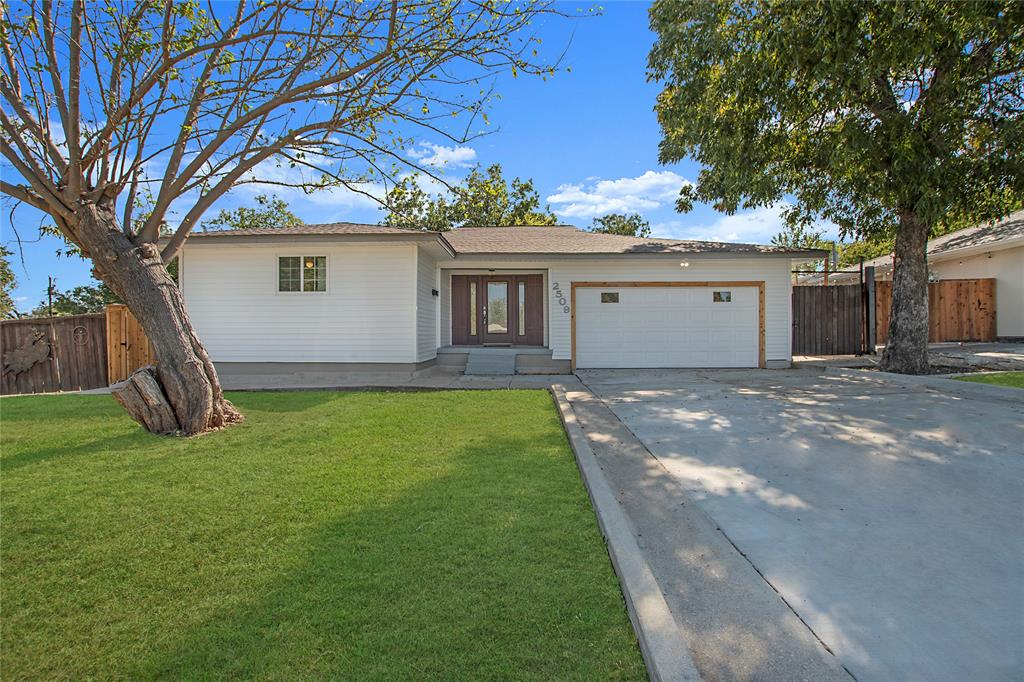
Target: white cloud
{"type": "Point", "coordinates": [756, 226]}
{"type": "Point", "coordinates": [648, 191]}
{"type": "Point", "coordinates": [430, 154]}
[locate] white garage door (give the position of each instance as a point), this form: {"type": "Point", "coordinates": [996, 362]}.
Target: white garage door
{"type": "Point", "coordinates": [666, 327]}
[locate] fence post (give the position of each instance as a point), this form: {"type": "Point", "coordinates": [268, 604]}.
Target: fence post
{"type": "Point", "coordinates": [872, 330]}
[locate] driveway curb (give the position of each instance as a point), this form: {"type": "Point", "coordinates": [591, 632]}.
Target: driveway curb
{"type": "Point", "coordinates": [661, 644]}
{"type": "Point", "coordinates": [965, 389]}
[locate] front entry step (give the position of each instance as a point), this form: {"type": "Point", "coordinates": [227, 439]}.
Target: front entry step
{"type": "Point", "coordinates": [482, 362]}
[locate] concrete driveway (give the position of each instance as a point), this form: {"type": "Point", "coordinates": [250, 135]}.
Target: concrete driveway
{"type": "Point", "coordinates": [890, 519]}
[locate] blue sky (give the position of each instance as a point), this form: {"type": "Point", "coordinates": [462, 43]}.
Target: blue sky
{"type": "Point", "coordinates": [587, 137]}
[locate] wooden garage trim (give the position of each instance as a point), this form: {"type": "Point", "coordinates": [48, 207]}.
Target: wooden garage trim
{"type": "Point", "coordinates": [612, 285]}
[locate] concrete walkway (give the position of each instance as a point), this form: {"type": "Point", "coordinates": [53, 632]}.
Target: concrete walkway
{"type": "Point", "coordinates": [889, 516]}
{"type": "Point", "coordinates": [992, 356]}
{"type": "Point", "coordinates": [430, 378]}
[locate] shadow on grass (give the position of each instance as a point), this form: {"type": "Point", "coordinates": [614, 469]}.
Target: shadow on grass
{"type": "Point", "coordinates": [490, 568]}
{"type": "Point", "coordinates": [49, 411]}
{"type": "Point", "coordinates": [270, 401]}
{"type": "Point", "coordinates": [77, 450]}
{"type": "Point", "coordinates": [31, 408]}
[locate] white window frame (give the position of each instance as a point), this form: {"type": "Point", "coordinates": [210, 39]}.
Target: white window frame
{"type": "Point", "coordinates": [300, 256]}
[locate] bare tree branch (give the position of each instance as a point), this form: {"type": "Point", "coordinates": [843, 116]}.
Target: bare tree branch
{"type": "Point", "coordinates": [165, 100]}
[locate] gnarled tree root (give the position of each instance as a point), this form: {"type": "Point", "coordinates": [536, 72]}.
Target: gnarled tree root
{"type": "Point", "coordinates": [142, 396]}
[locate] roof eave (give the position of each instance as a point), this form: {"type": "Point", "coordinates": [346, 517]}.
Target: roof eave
{"type": "Point", "coordinates": [810, 255]}
{"type": "Point", "coordinates": [319, 238]}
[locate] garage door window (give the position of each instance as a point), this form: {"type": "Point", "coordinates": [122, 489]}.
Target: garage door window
{"type": "Point", "coordinates": [609, 297]}
{"type": "Point", "coordinates": [723, 297]}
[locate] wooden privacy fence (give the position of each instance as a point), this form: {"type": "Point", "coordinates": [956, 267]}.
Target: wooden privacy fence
{"type": "Point", "coordinates": [127, 345]}
{"type": "Point", "coordinates": [958, 310]}
{"type": "Point", "coordinates": [43, 355]}
{"type": "Point", "coordinates": [828, 320]}
{"type": "Point", "coordinates": [71, 352]}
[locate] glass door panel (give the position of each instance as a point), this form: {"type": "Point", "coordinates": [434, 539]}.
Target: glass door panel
{"type": "Point", "coordinates": [497, 325]}
{"type": "Point", "coordinates": [497, 307]}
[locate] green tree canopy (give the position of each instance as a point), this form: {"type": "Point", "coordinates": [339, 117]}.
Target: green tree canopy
{"type": "Point", "coordinates": [802, 236]}
{"type": "Point", "coordinates": [631, 225]}
{"type": "Point", "coordinates": [882, 117]}
{"type": "Point", "coordinates": [7, 283]}
{"type": "Point", "coordinates": [483, 198]}
{"type": "Point", "coordinates": [269, 212]}
{"type": "Point", "coordinates": [77, 301]}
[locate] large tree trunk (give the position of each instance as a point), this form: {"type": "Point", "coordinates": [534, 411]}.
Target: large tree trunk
{"type": "Point", "coordinates": [906, 351]}
{"type": "Point", "coordinates": [182, 394]}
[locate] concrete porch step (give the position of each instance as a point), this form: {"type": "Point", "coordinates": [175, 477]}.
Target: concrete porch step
{"type": "Point", "coordinates": [490, 363]}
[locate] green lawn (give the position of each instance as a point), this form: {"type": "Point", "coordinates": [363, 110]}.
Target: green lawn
{"type": "Point", "coordinates": [332, 535]}
{"type": "Point", "coordinates": [1012, 379]}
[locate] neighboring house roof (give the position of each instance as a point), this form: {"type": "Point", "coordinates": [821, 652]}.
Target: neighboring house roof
{"type": "Point", "coordinates": [1007, 233]}
{"type": "Point", "coordinates": [1003, 234]}
{"type": "Point", "coordinates": [522, 240]}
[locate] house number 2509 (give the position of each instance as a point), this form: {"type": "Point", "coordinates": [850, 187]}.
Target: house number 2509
{"type": "Point", "coordinates": [556, 289]}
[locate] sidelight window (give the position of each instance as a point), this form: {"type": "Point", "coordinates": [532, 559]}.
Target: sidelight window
{"type": "Point", "coordinates": [472, 308]}
{"type": "Point", "coordinates": [522, 308]}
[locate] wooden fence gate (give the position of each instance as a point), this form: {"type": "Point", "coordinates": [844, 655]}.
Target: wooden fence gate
{"type": "Point", "coordinates": [828, 320]}
{"type": "Point", "coordinates": [127, 345]}
{"type": "Point", "coordinates": [44, 355]}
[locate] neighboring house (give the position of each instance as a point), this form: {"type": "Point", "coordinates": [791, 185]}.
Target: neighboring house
{"type": "Point", "coordinates": [984, 251]}
{"type": "Point", "coordinates": [564, 298]}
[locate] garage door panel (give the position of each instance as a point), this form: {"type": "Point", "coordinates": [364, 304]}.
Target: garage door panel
{"type": "Point", "coordinates": [666, 327]}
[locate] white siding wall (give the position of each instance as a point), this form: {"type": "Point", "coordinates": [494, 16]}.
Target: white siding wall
{"type": "Point", "coordinates": [1007, 267]}
{"type": "Point", "coordinates": [367, 314]}
{"type": "Point", "coordinates": [775, 272]}
{"type": "Point", "coordinates": [426, 307]}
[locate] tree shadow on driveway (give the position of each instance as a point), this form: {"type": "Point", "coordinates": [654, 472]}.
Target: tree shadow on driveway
{"type": "Point", "coordinates": [888, 517]}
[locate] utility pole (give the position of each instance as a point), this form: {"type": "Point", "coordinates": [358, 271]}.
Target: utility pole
{"type": "Point", "coordinates": [49, 295]}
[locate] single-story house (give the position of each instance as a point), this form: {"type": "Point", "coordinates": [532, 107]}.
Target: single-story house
{"type": "Point", "coordinates": [560, 298]}
{"type": "Point", "coordinates": [993, 251]}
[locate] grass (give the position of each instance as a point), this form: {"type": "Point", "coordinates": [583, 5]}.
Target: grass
{"type": "Point", "coordinates": [1012, 379]}
{"type": "Point", "coordinates": [332, 535]}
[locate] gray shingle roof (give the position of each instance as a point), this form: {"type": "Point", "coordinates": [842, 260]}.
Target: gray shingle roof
{"type": "Point", "coordinates": [565, 239]}
{"type": "Point", "coordinates": [322, 229]}
{"type": "Point", "coordinates": [545, 240]}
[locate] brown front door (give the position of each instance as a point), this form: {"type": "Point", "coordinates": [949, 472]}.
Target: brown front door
{"type": "Point", "coordinates": [503, 309]}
